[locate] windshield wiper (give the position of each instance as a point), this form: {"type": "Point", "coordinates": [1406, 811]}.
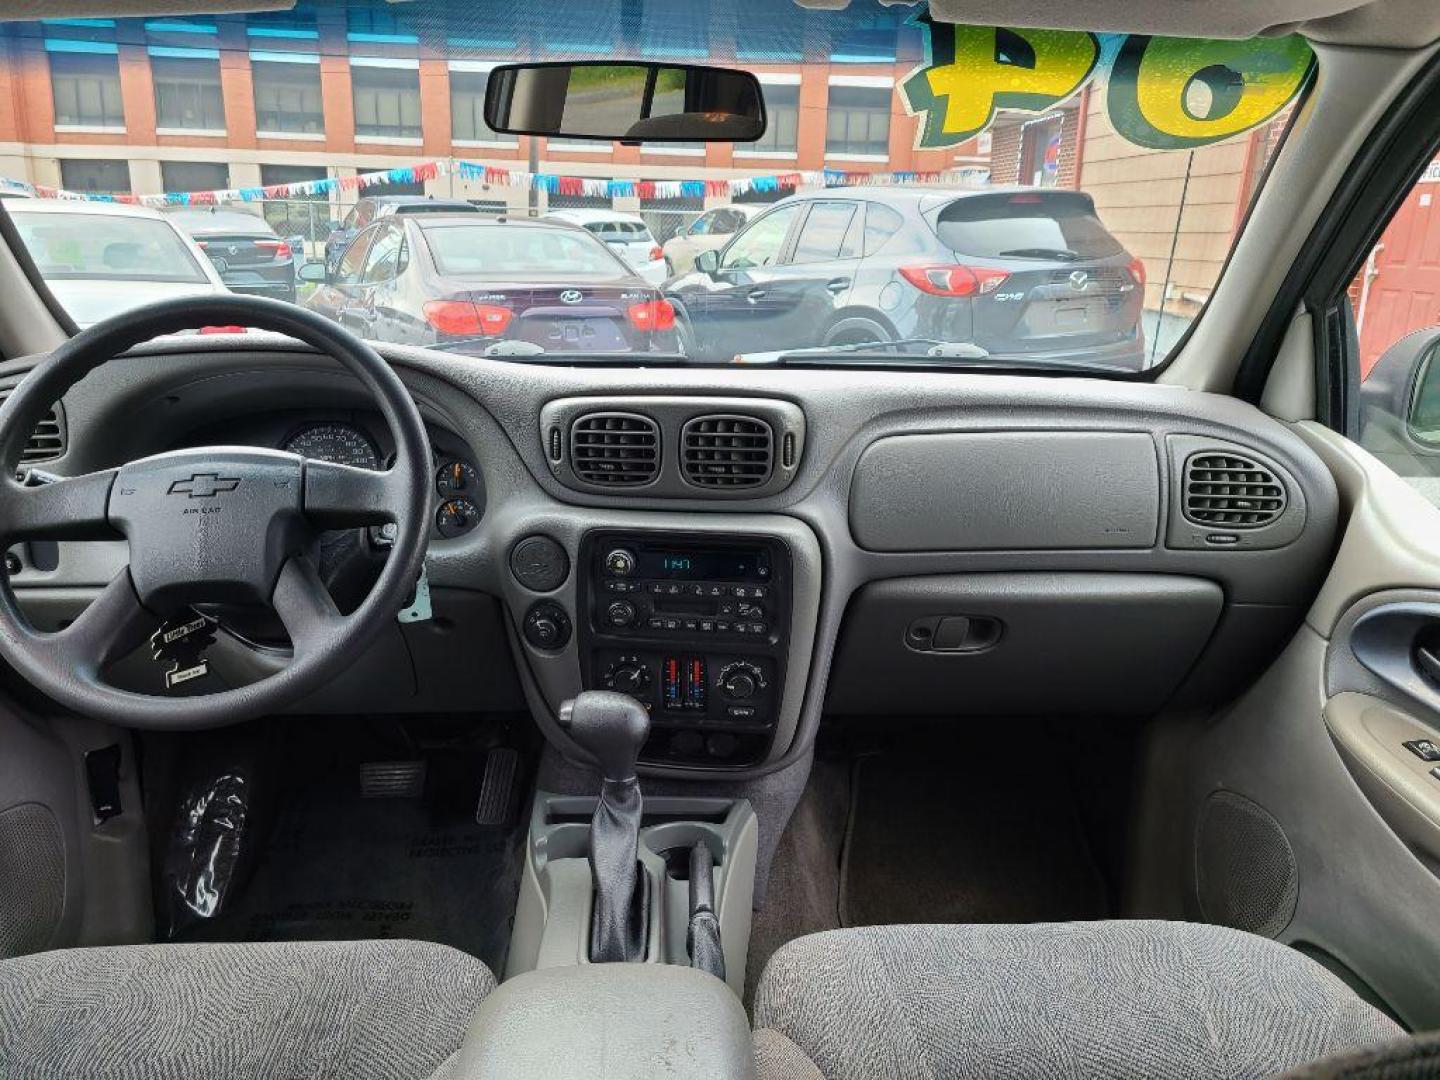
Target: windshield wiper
{"type": "Point", "coordinates": [1043, 253]}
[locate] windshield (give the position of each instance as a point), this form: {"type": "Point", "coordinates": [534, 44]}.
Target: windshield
{"type": "Point", "coordinates": [79, 246]}
{"type": "Point", "coordinates": [921, 191]}
{"type": "Point", "coordinates": [507, 251]}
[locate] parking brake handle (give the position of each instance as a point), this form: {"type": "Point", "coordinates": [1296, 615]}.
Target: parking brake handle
{"type": "Point", "coordinates": [702, 940]}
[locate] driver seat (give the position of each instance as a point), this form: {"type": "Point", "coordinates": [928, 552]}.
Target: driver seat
{"type": "Point", "coordinates": [353, 1010]}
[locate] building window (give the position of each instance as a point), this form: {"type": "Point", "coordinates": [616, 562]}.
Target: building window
{"type": "Point", "coordinates": [287, 98]}
{"type": "Point", "coordinates": [297, 22]}
{"type": "Point", "coordinates": [1040, 142]}
{"type": "Point", "coordinates": [187, 93]}
{"type": "Point", "coordinates": [87, 89]}
{"type": "Point", "coordinates": [782, 112]}
{"type": "Point", "coordinates": [109, 177]}
{"type": "Point", "coordinates": [467, 109]}
{"type": "Point", "coordinates": [387, 101]}
{"type": "Point", "coordinates": [194, 176]}
{"type": "Point", "coordinates": [858, 120]}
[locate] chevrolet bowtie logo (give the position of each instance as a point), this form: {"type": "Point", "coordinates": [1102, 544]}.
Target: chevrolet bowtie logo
{"type": "Point", "coordinates": [205, 485]}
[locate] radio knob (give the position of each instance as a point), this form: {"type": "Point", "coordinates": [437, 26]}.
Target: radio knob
{"type": "Point", "coordinates": [621, 613]}
{"type": "Point", "coordinates": [620, 563]}
{"type": "Point", "coordinates": [740, 681]}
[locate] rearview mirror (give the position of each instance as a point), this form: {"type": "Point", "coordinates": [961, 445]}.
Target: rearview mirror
{"type": "Point", "coordinates": [629, 102]}
{"type": "Point", "coordinates": [707, 262]}
{"type": "Point", "coordinates": [313, 272]}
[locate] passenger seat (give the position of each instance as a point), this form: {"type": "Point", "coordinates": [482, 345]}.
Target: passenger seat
{"type": "Point", "coordinates": [1087, 999]}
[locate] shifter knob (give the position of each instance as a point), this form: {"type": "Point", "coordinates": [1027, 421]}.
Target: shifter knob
{"type": "Point", "coordinates": [612, 727]}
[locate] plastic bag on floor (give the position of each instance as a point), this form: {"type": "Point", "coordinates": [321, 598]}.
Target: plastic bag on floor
{"type": "Point", "coordinates": [203, 856]}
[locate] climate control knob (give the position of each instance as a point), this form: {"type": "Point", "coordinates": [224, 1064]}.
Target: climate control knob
{"type": "Point", "coordinates": [621, 613]}
{"type": "Point", "coordinates": [741, 680]}
{"type": "Point", "coordinates": [628, 676]}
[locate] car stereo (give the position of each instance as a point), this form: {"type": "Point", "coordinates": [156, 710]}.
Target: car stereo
{"type": "Point", "coordinates": [695, 628]}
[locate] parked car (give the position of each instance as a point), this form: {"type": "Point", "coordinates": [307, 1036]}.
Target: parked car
{"type": "Point", "coordinates": [625, 234]}
{"type": "Point", "coordinates": [465, 282]}
{"type": "Point", "coordinates": [373, 207]}
{"type": "Point", "coordinates": [1026, 274]}
{"type": "Point", "coordinates": [711, 230]}
{"type": "Point", "coordinates": [247, 252]}
{"type": "Point", "coordinates": [100, 259]}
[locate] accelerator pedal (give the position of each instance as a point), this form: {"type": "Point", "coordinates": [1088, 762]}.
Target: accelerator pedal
{"type": "Point", "coordinates": [499, 788]}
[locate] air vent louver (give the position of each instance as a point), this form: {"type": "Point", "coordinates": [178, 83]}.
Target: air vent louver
{"type": "Point", "coordinates": [726, 451]}
{"type": "Point", "coordinates": [47, 441]}
{"type": "Point", "coordinates": [615, 449]}
{"type": "Point", "coordinates": [1232, 492]}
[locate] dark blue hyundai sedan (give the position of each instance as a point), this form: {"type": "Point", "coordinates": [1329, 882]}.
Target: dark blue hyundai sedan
{"type": "Point", "coordinates": [1028, 275]}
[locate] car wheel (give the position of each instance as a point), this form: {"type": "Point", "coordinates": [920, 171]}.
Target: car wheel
{"type": "Point", "coordinates": [684, 338]}
{"type": "Point", "coordinates": [856, 331]}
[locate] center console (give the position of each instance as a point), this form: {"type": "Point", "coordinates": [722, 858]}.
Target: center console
{"type": "Point", "coordinates": [696, 628]}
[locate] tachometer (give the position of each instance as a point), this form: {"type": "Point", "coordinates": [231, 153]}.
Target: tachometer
{"type": "Point", "coordinates": [339, 444]}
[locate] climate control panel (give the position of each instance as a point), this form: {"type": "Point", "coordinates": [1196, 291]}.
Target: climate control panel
{"type": "Point", "coordinates": [695, 629]}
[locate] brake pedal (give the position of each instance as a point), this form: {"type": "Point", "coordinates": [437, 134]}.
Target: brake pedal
{"type": "Point", "coordinates": [498, 787]}
{"type": "Point", "coordinates": [392, 779]}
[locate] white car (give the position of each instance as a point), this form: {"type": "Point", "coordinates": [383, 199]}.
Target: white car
{"type": "Point", "coordinates": [100, 259]}
{"type": "Point", "coordinates": [711, 230]}
{"type": "Point", "coordinates": [626, 235]}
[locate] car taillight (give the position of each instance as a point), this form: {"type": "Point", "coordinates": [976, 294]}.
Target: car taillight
{"type": "Point", "coordinates": [464, 319]}
{"type": "Point", "coordinates": [656, 254]}
{"type": "Point", "coordinates": [652, 315]}
{"type": "Point", "coordinates": [222, 329]}
{"type": "Point", "coordinates": [278, 248]}
{"type": "Point", "coordinates": [954, 280]}
{"type": "Point", "coordinates": [1137, 271]}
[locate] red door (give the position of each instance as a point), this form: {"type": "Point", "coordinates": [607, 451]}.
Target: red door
{"type": "Point", "coordinates": [1404, 275]}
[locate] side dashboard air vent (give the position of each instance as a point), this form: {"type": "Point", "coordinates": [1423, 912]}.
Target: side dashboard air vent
{"type": "Point", "coordinates": [1232, 491]}
{"type": "Point", "coordinates": [726, 451]}
{"type": "Point", "coordinates": [47, 441]}
{"type": "Point", "coordinates": [615, 449]}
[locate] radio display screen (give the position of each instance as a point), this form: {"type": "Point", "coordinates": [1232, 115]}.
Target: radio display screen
{"type": "Point", "coordinates": [704, 564]}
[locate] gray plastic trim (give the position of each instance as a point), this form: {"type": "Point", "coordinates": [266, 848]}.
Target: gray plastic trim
{"type": "Point", "coordinates": [1181, 532]}
{"type": "Point", "coordinates": [1007, 490]}
{"type": "Point", "coordinates": [552, 914]}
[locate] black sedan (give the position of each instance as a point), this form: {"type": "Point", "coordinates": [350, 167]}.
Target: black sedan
{"type": "Point", "coordinates": [1029, 275]}
{"type": "Point", "coordinates": [248, 254]}
{"type": "Point", "coordinates": [468, 283]}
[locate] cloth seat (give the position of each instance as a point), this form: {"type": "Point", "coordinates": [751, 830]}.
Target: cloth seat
{"type": "Point", "coordinates": [362, 1010]}
{"type": "Point", "coordinates": [1102, 999]}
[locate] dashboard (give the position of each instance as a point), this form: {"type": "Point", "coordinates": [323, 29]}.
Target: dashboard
{"type": "Point", "coordinates": [747, 549]}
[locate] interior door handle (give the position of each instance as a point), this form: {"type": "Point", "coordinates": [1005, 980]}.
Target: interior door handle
{"type": "Point", "coordinates": [1428, 663]}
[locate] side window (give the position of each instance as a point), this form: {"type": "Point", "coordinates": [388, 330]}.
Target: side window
{"type": "Point", "coordinates": [1396, 406]}
{"type": "Point", "coordinates": [701, 225]}
{"type": "Point", "coordinates": [383, 261]}
{"type": "Point", "coordinates": [822, 237]}
{"type": "Point", "coordinates": [728, 221]}
{"type": "Point", "coordinates": [347, 272]}
{"type": "Point", "coordinates": [881, 223]}
{"type": "Point", "coordinates": [364, 213]}
{"type": "Point", "coordinates": [762, 243]}
{"type": "Point", "coordinates": [352, 219]}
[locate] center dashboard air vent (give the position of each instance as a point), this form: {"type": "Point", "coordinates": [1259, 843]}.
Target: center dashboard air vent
{"type": "Point", "coordinates": [1233, 492]}
{"type": "Point", "coordinates": [614, 449]}
{"type": "Point", "coordinates": [726, 451]}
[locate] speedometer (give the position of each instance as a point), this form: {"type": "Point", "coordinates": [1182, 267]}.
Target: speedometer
{"type": "Point", "coordinates": [339, 444]}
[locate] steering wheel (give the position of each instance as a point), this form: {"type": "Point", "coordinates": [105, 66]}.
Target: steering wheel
{"type": "Point", "coordinates": [215, 524]}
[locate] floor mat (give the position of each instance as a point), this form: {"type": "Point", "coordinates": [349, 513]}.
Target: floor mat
{"type": "Point", "coordinates": [964, 836]}
{"type": "Point", "coordinates": [324, 863]}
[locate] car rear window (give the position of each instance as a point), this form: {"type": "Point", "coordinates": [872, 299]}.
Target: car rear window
{"type": "Point", "coordinates": [436, 208]}
{"type": "Point", "coordinates": [1025, 224]}
{"type": "Point", "coordinates": [497, 251]}
{"type": "Point", "coordinates": [619, 230]}
{"type": "Point", "coordinates": [99, 247]}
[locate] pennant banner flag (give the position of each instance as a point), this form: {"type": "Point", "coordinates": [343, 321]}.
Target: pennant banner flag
{"type": "Point", "coordinates": [496, 176]}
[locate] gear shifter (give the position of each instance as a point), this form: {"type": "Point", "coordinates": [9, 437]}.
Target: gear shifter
{"type": "Point", "coordinates": [612, 728]}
